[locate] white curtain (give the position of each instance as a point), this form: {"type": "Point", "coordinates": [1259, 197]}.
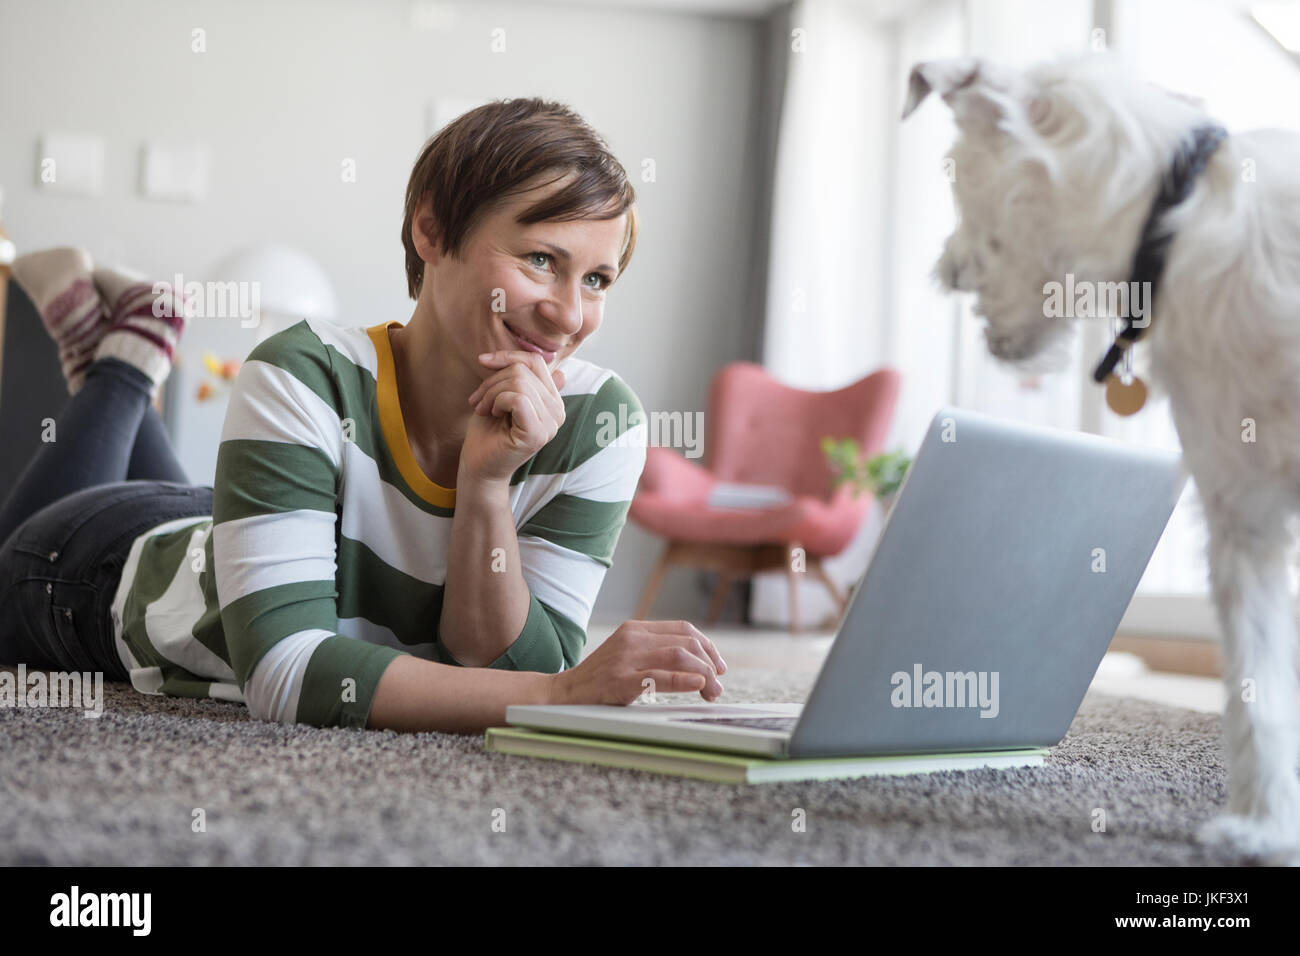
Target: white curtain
{"type": "Point", "coordinates": [861, 207]}
{"type": "Point", "coordinates": [827, 288]}
{"type": "Point", "coordinates": [825, 284]}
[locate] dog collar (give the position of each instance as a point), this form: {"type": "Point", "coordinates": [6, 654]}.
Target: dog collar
{"type": "Point", "coordinates": [1149, 261]}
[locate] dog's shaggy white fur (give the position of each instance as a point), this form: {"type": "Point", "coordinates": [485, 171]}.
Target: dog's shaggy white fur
{"type": "Point", "coordinates": [1056, 169]}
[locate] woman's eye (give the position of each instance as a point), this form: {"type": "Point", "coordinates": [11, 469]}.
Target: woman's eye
{"type": "Point", "coordinates": [600, 286]}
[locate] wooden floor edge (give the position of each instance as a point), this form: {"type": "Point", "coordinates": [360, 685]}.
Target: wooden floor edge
{"type": "Point", "coordinates": [1176, 655]}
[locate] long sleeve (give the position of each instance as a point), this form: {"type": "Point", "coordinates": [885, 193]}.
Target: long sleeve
{"type": "Point", "coordinates": [274, 542]}
{"type": "Point", "coordinates": [567, 546]}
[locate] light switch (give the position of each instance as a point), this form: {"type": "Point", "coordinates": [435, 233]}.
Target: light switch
{"type": "Point", "coordinates": [70, 164]}
{"type": "Point", "coordinates": [174, 173]}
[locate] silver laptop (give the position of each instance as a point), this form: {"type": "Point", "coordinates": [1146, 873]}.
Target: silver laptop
{"type": "Point", "coordinates": [997, 583]}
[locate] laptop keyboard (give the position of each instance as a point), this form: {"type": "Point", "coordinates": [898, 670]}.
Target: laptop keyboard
{"type": "Point", "coordinates": [757, 723]}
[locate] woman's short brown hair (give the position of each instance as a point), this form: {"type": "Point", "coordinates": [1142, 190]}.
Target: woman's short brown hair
{"type": "Point", "coordinates": [494, 151]}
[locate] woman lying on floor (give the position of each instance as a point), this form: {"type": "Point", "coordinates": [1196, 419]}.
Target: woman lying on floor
{"type": "Point", "coordinates": [408, 524]}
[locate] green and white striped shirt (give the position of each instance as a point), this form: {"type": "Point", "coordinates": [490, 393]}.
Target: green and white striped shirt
{"type": "Point", "coordinates": [326, 553]}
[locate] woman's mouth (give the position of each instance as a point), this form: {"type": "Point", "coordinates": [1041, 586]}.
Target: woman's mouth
{"type": "Point", "coordinates": [529, 345]}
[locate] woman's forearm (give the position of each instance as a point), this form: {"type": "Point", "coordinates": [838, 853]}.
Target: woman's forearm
{"type": "Point", "coordinates": [485, 598]}
{"type": "Point", "coordinates": [415, 695]}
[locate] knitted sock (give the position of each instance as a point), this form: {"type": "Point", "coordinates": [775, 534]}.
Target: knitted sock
{"type": "Point", "coordinates": [146, 325]}
{"type": "Point", "coordinates": [59, 282]}
{"type": "Point", "coordinates": [114, 283]}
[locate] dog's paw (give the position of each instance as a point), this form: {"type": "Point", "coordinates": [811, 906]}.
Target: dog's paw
{"type": "Point", "coordinates": [1268, 841]}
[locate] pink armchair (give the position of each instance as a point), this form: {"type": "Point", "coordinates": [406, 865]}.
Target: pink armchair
{"type": "Point", "coordinates": [762, 432]}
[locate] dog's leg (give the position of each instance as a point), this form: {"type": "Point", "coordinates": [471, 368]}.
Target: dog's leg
{"type": "Point", "coordinates": [1247, 556]}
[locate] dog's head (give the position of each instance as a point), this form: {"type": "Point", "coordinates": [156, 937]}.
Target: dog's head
{"type": "Point", "coordinates": [1052, 173]}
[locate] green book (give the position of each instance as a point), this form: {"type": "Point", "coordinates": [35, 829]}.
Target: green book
{"type": "Point", "coordinates": [734, 768]}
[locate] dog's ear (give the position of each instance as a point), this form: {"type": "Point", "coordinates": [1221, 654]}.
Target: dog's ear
{"type": "Point", "coordinates": [976, 90]}
{"type": "Point", "coordinates": [945, 76]}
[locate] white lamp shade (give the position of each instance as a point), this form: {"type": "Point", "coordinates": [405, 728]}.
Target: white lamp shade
{"type": "Point", "coordinates": [291, 285]}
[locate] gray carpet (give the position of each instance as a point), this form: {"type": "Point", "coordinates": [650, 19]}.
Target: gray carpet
{"type": "Point", "coordinates": [122, 790]}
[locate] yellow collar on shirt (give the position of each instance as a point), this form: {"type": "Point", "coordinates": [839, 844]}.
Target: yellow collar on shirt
{"type": "Point", "coordinates": [394, 426]}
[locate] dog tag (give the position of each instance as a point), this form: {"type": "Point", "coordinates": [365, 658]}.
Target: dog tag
{"type": "Point", "coordinates": [1125, 399]}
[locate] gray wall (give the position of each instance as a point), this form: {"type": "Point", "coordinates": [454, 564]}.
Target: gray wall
{"type": "Point", "coordinates": [287, 89]}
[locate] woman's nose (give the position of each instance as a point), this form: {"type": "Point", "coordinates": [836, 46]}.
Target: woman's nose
{"type": "Point", "coordinates": [567, 308]}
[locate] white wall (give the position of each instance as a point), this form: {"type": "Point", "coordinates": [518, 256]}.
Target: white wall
{"type": "Point", "coordinates": [288, 89]}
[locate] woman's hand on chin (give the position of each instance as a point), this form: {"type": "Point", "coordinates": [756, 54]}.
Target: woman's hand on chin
{"type": "Point", "coordinates": [517, 410]}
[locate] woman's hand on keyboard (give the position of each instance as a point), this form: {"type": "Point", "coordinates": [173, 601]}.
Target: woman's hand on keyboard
{"type": "Point", "coordinates": [654, 657]}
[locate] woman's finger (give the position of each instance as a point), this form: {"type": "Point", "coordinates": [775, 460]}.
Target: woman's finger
{"type": "Point", "coordinates": [674, 682]}
{"type": "Point", "coordinates": [524, 383]}
{"type": "Point", "coordinates": [521, 386]}
{"type": "Point", "coordinates": [531, 361]}
{"type": "Point", "coordinates": [709, 647]}
{"type": "Point", "coordinates": [683, 659]}
{"type": "Point", "coordinates": [685, 628]}
{"type": "Point", "coordinates": [524, 418]}
{"type": "Point", "coordinates": [702, 648]}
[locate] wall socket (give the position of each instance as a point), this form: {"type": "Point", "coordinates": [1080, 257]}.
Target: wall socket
{"type": "Point", "coordinates": [70, 164]}
{"type": "Point", "coordinates": [174, 173]}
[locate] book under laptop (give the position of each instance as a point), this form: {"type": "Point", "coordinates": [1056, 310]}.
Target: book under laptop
{"type": "Point", "coordinates": [999, 578]}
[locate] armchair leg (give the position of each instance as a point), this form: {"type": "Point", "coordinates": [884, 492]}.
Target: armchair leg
{"type": "Point", "coordinates": [652, 586]}
{"type": "Point", "coordinates": [719, 597]}
{"type": "Point", "coordinates": [793, 577]}
{"type": "Point", "coordinates": [840, 598]}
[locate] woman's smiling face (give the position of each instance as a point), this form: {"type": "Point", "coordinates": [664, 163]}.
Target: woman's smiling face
{"type": "Point", "coordinates": [545, 282]}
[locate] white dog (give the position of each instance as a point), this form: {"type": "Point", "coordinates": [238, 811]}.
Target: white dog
{"type": "Point", "coordinates": [1056, 171]}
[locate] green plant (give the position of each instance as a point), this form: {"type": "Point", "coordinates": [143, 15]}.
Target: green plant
{"type": "Point", "coordinates": [881, 474]}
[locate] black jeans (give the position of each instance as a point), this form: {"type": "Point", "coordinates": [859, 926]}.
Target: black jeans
{"type": "Point", "coordinates": [67, 526]}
